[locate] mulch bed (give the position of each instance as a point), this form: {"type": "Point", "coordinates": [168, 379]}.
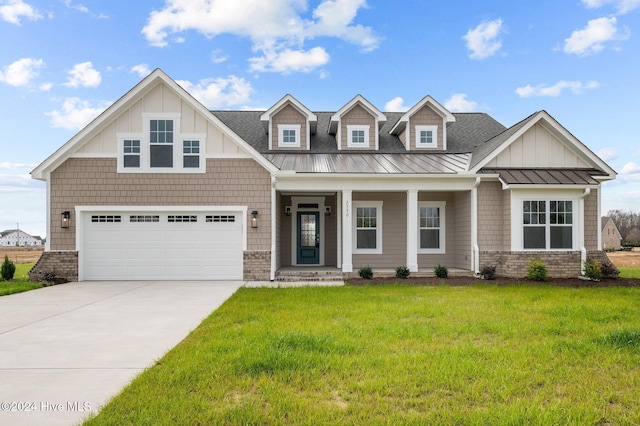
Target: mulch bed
{"type": "Point", "coordinates": [466, 281]}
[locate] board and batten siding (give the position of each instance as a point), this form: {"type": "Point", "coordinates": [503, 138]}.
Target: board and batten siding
{"type": "Point", "coordinates": [94, 181]}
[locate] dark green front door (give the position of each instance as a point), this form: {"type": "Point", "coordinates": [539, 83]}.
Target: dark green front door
{"type": "Point", "coordinates": [308, 238]}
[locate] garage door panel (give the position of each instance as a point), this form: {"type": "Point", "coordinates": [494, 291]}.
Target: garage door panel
{"type": "Point", "coordinates": [162, 250]}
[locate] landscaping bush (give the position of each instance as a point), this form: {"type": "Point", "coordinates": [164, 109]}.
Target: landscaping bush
{"type": "Point", "coordinates": [609, 270]}
{"type": "Point", "coordinates": [402, 272]}
{"type": "Point", "coordinates": [592, 270]}
{"type": "Point", "coordinates": [441, 271]}
{"type": "Point", "coordinates": [8, 269]}
{"type": "Point", "coordinates": [365, 272]}
{"type": "Point", "coordinates": [488, 272]}
{"type": "Point", "coordinates": [536, 270]}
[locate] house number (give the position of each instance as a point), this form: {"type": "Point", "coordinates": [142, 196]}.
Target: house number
{"type": "Point", "coordinates": [346, 208]}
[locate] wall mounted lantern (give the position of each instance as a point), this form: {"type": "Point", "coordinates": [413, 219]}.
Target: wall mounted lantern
{"type": "Point", "coordinates": [254, 219]}
{"type": "Point", "coordinates": [65, 218]}
{"type": "Point", "coordinates": [287, 210]}
{"type": "Point", "coordinates": [327, 210]}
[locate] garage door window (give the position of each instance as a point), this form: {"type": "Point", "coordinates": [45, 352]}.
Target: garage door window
{"type": "Point", "coordinates": [182, 218]}
{"type": "Point", "coordinates": [221, 218]}
{"type": "Point", "coordinates": [145, 218]}
{"type": "Point", "coordinates": [106, 218]}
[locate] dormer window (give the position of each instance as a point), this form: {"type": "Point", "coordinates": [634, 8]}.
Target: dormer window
{"type": "Point", "coordinates": [426, 136]}
{"type": "Point", "coordinates": [358, 136]}
{"type": "Point", "coordinates": [289, 135]}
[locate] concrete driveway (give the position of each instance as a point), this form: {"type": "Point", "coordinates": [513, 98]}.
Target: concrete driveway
{"type": "Point", "coordinates": [65, 350]}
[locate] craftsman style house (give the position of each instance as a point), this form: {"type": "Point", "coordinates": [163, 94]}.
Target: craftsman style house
{"type": "Point", "coordinates": [160, 188]}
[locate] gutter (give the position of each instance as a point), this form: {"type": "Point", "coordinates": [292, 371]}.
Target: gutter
{"type": "Point", "coordinates": [583, 249]}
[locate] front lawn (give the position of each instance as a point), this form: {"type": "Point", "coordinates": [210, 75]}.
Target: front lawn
{"type": "Point", "coordinates": [400, 355]}
{"type": "Point", "coordinates": [20, 281]}
{"type": "Point", "coordinates": [629, 272]}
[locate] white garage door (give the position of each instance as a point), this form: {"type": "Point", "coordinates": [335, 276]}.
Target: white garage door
{"type": "Point", "coordinates": [161, 246]}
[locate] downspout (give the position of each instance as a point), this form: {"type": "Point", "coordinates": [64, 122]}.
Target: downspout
{"type": "Point", "coordinates": [475, 250]}
{"type": "Point", "coordinates": [273, 229]}
{"type": "Point", "coordinates": [583, 249]}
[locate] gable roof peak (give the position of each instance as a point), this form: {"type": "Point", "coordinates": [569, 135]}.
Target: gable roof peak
{"type": "Point", "coordinates": [379, 116]}
{"type": "Point", "coordinates": [446, 115]}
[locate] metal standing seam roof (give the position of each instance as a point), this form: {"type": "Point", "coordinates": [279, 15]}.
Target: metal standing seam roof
{"type": "Point", "coordinates": [546, 176]}
{"type": "Point", "coordinates": [366, 163]}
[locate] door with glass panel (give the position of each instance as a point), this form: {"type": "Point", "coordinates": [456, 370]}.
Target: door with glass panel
{"type": "Point", "coordinates": [308, 236]}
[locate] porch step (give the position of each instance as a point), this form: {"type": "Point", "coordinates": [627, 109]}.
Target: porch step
{"type": "Point", "coordinates": [309, 275]}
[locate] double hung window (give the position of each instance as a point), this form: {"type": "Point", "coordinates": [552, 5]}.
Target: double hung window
{"type": "Point", "coordinates": [547, 225]}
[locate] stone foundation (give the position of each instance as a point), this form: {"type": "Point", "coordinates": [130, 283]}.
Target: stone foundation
{"type": "Point", "coordinates": [56, 266]}
{"type": "Point", "coordinates": [257, 265]}
{"type": "Point", "coordinates": [514, 263]}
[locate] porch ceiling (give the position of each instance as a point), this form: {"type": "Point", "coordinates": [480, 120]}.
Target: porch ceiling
{"type": "Point", "coordinates": [413, 163]}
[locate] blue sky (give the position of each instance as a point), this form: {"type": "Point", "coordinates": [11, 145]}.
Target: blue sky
{"type": "Point", "coordinates": [62, 62]}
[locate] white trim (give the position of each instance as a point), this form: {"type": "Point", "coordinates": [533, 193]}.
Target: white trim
{"type": "Point", "coordinates": [518, 196]}
{"type": "Point", "coordinates": [442, 228]}
{"type": "Point", "coordinates": [93, 155]}
{"type": "Point", "coordinates": [81, 210]}
{"type": "Point", "coordinates": [347, 249]}
{"type": "Point", "coordinates": [281, 129]}
{"type": "Point", "coordinates": [294, 225]}
{"type": "Point", "coordinates": [357, 127]}
{"type": "Point", "coordinates": [339, 229]}
{"type": "Point", "coordinates": [274, 247]}
{"type": "Point", "coordinates": [364, 204]}
{"type": "Point", "coordinates": [47, 244]}
{"type": "Point", "coordinates": [412, 230]}
{"type": "Point", "coordinates": [434, 136]}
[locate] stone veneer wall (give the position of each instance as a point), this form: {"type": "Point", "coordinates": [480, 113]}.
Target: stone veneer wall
{"type": "Point", "coordinates": [514, 263]}
{"type": "Point", "coordinates": [257, 265]}
{"type": "Point", "coordinates": [62, 264]}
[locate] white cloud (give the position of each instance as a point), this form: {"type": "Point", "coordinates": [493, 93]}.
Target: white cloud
{"type": "Point", "coordinates": [623, 6]}
{"type": "Point", "coordinates": [219, 92]}
{"type": "Point", "coordinates": [483, 40]}
{"type": "Point", "coordinates": [6, 165]}
{"type": "Point", "coordinates": [396, 105]}
{"type": "Point", "coordinates": [592, 38]}
{"type": "Point", "coordinates": [75, 113]}
{"type": "Point", "coordinates": [631, 168]}
{"type": "Point", "coordinates": [141, 69]}
{"type": "Point", "coordinates": [12, 10]}
{"type": "Point", "coordinates": [21, 72]}
{"type": "Point", "coordinates": [218, 56]}
{"type": "Point", "coordinates": [458, 103]}
{"type": "Point", "coordinates": [287, 60]}
{"type": "Point", "coordinates": [576, 87]}
{"type": "Point", "coordinates": [277, 28]}
{"type": "Point", "coordinates": [45, 87]}
{"type": "Point", "coordinates": [607, 154]}
{"type": "Point", "coordinates": [78, 7]}
{"type": "Point", "coordinates": [84, 75]}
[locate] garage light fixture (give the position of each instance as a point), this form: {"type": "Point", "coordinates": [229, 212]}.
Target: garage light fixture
{"type": "Point", "coordinates": [65, 218]}
{"type": "Point", "coordinates": [254, 219]}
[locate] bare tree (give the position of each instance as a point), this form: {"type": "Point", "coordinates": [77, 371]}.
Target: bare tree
{"type": "Point", "coordinates": [625, 221]}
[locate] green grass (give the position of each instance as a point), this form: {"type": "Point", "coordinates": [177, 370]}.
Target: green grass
{"type": "Point", "coordinates": [20, 282]}
{"type": "Point", "coordinates": [629, 272]}
{"type": "Point", "coordinates": [400, 355]}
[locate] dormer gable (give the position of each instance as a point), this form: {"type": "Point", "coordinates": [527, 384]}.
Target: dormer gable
{"type": "Point", "coordinates": [424, 126]}
{"type": "Point", "coordinates": [289, 125]}
{"type": "Point", "coordinates": [357, 124]}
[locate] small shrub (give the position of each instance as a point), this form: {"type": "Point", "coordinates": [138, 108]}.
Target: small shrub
{"type": "Point", "coordinates": [609, 270]}
{"type": "Point", "coordinates": [441, 271]}
{"type": "Point", "coordinates": [402, 272]}
{"type": "Point", "coordinates": [536, 270]}
{"type": "Point", "coordinates": [608, 249]}
{"type": "Point", "coordinates": [8, 269]}
{"type": "Point", "coordinates": [365, 272]}
{"type": "Point", "coordinates": [592, 270]}
{"type": "Point", "coordinates": [488, 272]}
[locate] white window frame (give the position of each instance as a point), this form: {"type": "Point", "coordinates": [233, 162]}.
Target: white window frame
{"type": "Point", "coordinates": [433, 129]}
{"type": "Point", "coordinates": [145, 147]}
{"type": "Point", "coordinates": [357, 127]}
{"type": "Point", "coordinates": [442, 228]}
{"type": "Point", "coordinates": [281, 129]}
{"type": "Point", "coordinates": [371, 204]}
{"type": "Point", "coordinates": [548, 225]}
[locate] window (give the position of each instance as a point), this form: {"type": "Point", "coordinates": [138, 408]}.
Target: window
{"type": "Point", "coordinates": [161, 143]}
{"type": "Point", "coordinates": [144, 218]}
{"type": "Point", "coordinates": [182, 218]}
{"type": "Point", "coordinates": [190, 154]}
{"type": "Point", "coordinates": [220, 218]}
{"type": "Point", "coordinates": [547, 225]}
{"type": "Point", "coordinates": [106, 218]}
{"type": "Point", "coordinates": [426, 136]}
{"type": "Point", "coordinates": [367, 227]}
{"type": "Point", "coordinates": [431, 217]}
{"type": "Point", "coordinates": [289, 135]}
{"type": "Point", "coordinates": [131, 150]}
{"type": "Point", "coordinates": [358, 136]}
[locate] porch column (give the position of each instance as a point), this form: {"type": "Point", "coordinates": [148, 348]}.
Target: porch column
{"type": "Point", "coordinates": [412, 230]}
{"type": "Point", "coordinates": [347, 257]}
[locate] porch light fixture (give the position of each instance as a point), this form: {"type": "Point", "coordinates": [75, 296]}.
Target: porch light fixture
{"type": "Point", "coordinates": [287, 210]}
{"type": "Point", "coordinates": [254, 219]}
{"type": "Point", "coordinates": [327, 211]}
{"type": "Point", "coordinates": [65, 218]}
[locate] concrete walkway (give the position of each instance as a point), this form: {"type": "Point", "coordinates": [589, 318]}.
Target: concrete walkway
{"type": "Point", "coordinates": [65, 350]}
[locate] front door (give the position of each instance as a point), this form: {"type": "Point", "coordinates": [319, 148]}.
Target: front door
{"type": "Point", "coordinates": [308, 247]}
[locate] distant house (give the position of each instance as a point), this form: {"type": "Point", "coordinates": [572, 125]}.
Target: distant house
{"type": "Point", "coordinates": [17, 237]}
{"type": "Point", "coordinates": [610, 235]}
